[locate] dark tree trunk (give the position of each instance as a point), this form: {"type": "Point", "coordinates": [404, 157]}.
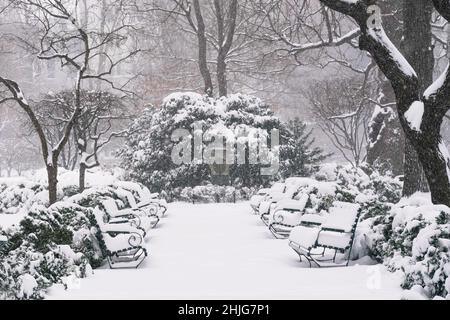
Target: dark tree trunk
{"type": "Point", "coordinates": [203, 49]}
{"type": "Point", "coordinates": [415, 179]}
{"type": "Point", "coordinates": [429, 148]}
{"type": "Point", "coordinates": [82, 177]}
{"type": "Point", "coordinates": [417, 48]}
{"type": "Point", "coordinates": [222, 76]}
{"type": "Point", "coordinates": [52, 175]}
{"type": "Point", "coordinates": [226, 28]}
{"type": "Point", "coordinates": [82, 148]}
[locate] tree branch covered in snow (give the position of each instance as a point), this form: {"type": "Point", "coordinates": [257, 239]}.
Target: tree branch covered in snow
{"type": "Point", "coordinates": [421, 129]}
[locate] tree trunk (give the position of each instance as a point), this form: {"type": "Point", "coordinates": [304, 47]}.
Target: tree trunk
{"type": "Point", "coordinates": [222, 75]}
{"type": "Point", "coordinates": [431, 151]}
{"type": "Point", "coordinates": [415, 179]}
{"type": "Point", "coordinates": [417, 47]}
{"type": "Point", "coordinates": [52, 175]}
{"type": "Point", "coordinates": [203, 49]}
{"type": "Point", "coordinates": [226, 28]}
{"type": "Point", "coordinates": [82, 147]}
{"type": "Point", "coordinates": [82, 177]}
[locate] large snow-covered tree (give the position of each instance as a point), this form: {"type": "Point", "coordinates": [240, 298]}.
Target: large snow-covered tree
{"type": "Point", "coordinates": [421, 115]}
{"type": "Point", "coordinates": [148, 151]}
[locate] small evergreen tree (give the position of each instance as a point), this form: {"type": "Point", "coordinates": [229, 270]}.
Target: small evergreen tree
{"type": "Point", "coordinates": [301, 159]}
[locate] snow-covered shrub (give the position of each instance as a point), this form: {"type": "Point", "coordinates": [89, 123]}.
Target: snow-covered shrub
{"type": "Point", "coordinates": [346, 183]}
{"type": "Point", "coordinates": [92, 197]}
{"type": "Point", "coordinates": [148, 150]}
{"type": "Point", "coordinates": [414, 238]}
{"type": "Point", "coordinates": [46, 248]}
{"type": "Point", "coordinates": [18, 194]}
{"type": "Point", "coordinates": [26, 273]}
{"type": "Point", "coordinates": [212, 194]}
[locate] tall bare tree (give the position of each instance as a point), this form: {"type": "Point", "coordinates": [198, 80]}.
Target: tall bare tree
{"type": "Point", "coordinates": [63, 37]}
{"type": "Point", "coordinates": [222, 30]}
{"type": "Point", "coordinates": [342, 111]}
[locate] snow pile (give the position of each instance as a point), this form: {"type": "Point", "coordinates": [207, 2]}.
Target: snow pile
{"type": "Point", "coordinates": [414, 115]}
{"type": "Point", "coordinates": [413, 237]}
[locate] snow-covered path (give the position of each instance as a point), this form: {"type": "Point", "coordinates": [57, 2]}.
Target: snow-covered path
{"type": "Point", "coordinates": [217, 251]}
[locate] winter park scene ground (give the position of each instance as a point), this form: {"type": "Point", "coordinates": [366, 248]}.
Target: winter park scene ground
{"type": "Point", "coordinates": [224, 150]}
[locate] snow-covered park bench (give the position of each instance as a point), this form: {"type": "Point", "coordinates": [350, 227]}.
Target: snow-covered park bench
{"type": "Point", "coordinates": [267, 207]}
{"type": "Point", "coordinates": [264, 194]}
{"type": "Point", "coordinates": [287, 215]}
{"type": "Point", "coordinates": [122, 243]}
{"type": "Point", "coordinates": [138, 217]}
{"type": "Point", "coordinates": [258, 198]}
{"type": "Point", "coordinates": [317, 235]}
{"type": "Point", "coordinates": [148, 201]}
{"type": "Point", "coordinates": [152, 210]}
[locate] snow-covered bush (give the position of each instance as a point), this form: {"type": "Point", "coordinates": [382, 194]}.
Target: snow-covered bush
{"type": "Point", "coordinates": [26, 273]}
{"type": "Point", "coordinates": [17, 194]}
{"type": "Point", "coordinates": [413, 237]}
{"type": "Point", "coordinates": [148, 150]}
{"type": "Point", "coordinates": [46, 248]}
{"type": "Point", "coordinates": [212, 194]}
{"type": "Point", "coordinates": [363, 185]}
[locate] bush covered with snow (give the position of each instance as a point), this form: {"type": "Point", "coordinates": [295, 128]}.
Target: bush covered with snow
{"type": "Point", "coordinates": [414, 237]}
{"type": "Point", "coordinates": [363, 185]}
{"type": "Point", "coordinates": [212, 194]}
{"type": "Point", "coordinates": [44, 250]}
{"type": "Point", "coordinates": [148, 151]}
{"type": "Point", "coordinates": [17, 194]}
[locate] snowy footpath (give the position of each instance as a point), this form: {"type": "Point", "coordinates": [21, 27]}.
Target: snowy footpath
{"type": "Point", "coordinates": [222, 251]}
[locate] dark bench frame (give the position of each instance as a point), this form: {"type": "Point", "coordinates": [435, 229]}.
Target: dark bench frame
{"type": "Point", "coordinates": [311, 257]}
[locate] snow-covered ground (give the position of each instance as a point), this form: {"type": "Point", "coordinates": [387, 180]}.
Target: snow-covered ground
{"type": "Point", "coordinates": [8, 220]}
{"type": "Point", "coordinates": [221, 251]}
